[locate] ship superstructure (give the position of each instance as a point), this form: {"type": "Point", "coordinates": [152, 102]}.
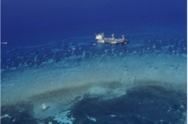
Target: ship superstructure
{"type": "Point", "coordinates": [101, 39]}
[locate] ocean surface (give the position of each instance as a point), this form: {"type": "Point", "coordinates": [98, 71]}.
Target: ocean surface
{"type": "Point", "coordinates": [53, 70]}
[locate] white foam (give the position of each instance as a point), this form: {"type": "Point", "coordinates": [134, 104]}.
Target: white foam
{"type": "Point", "coordinates": [63, 119]}
{"type": "Point", "coordinates": [90, 118]}
{"type": "Point", "coordinates": [113, 115]}
{"type": "Point", "coordinates": [5, 116]}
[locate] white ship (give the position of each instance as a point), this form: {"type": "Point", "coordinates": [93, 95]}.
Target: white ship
{"type": "Point", "coordinates": [101, 39]}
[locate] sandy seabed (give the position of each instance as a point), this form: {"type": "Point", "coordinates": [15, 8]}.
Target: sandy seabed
{"type": "Point", "coordinates": [98, 72]}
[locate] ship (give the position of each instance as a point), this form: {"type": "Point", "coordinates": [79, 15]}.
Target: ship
{"type": "Point", "coordinates": [101, 39]}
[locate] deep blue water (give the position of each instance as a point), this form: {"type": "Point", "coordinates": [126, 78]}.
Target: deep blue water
{"type": "Point", "coordinates": [44, 33]}
{"type": "Point", "coordinates": [26, 23]}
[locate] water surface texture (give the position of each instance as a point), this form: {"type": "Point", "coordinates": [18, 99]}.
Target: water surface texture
{"type": "Point", "coordinates": [53, 71]}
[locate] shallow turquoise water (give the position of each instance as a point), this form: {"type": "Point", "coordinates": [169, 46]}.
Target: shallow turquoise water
{"type": "Point", "coordinates": [52, 58]}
